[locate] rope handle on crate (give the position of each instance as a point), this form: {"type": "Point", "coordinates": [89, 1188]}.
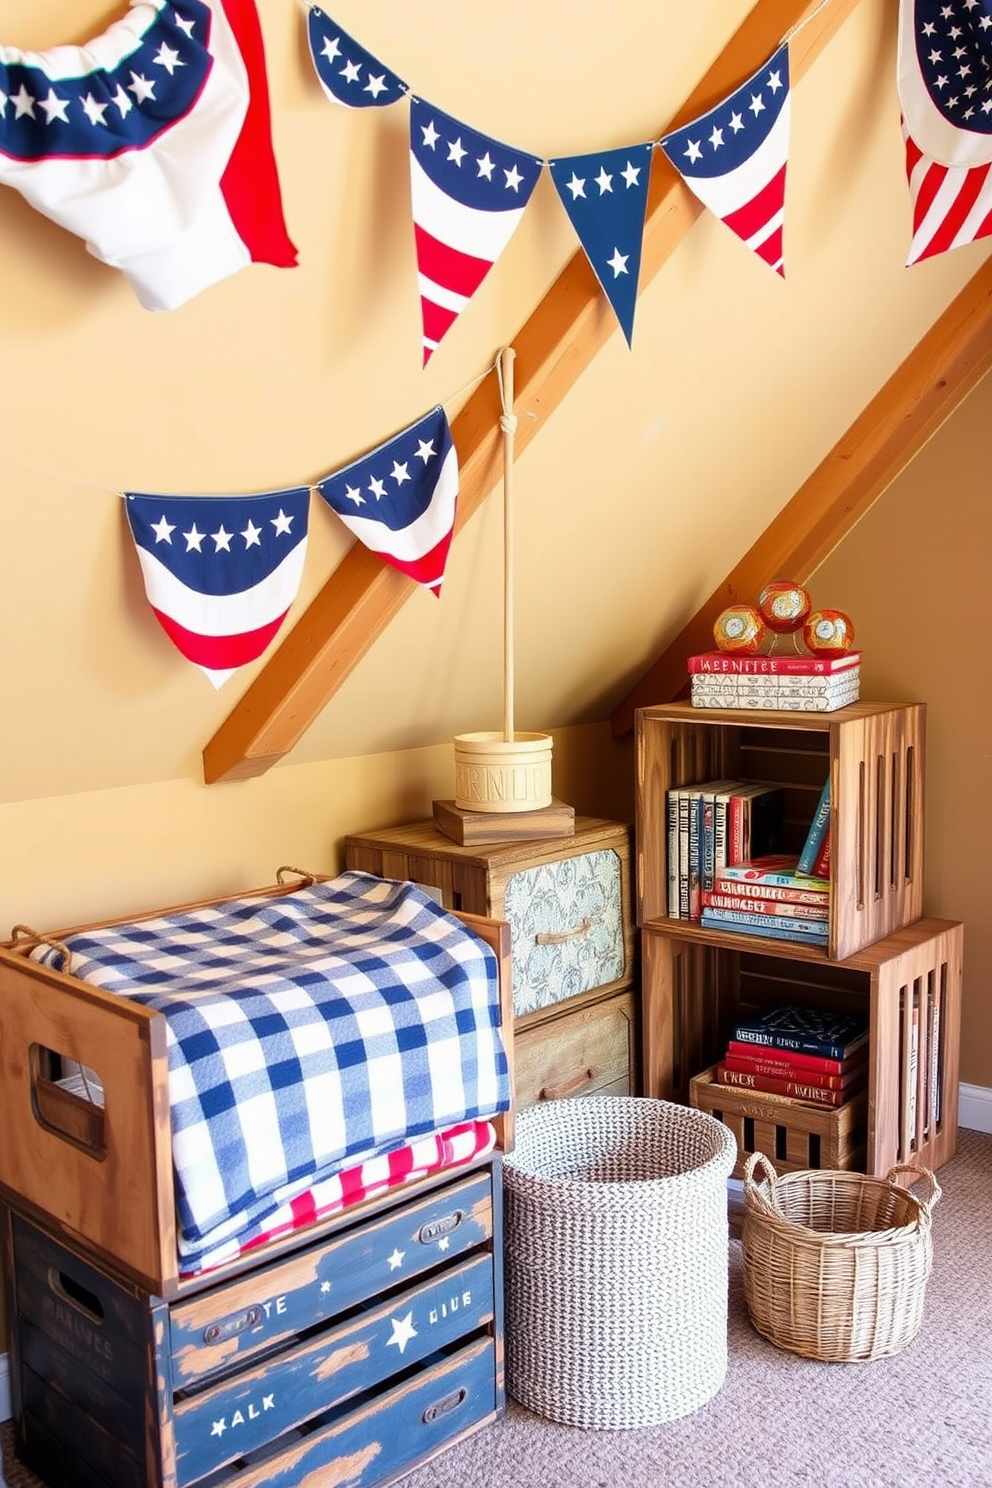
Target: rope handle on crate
{"type": "Point", "coordinates": [25, 933]}
{"type": "Point", "coordinates": [752, 1192]}
{"type": "Point", "coordinates": [308, 877]}
{"type": "Point", "coordinates": [933, 1187]}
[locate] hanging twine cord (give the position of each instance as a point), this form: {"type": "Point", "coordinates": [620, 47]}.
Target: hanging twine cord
{"type": "Point", "coordinates": [508, 424]}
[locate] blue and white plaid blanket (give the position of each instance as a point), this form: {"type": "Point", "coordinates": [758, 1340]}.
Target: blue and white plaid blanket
{"type": "Point", "coordinates": [305, 1030]}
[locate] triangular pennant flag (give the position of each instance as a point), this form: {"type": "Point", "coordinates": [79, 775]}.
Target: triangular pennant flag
{"type": "Point", "coordinates": [348, 73]}
{"type": "Point", "coordinates": [220, 571]}
{"type": "Point", "coordinates": [944, 64]}
{"type": "Point", "coordinates": [153, 144]}
{"type": "Point", "coordinates": [605, 195]}
{"type": "Point", "coordinates": [469, 192]}
{"type": "Point", "coordinates": [400, 499]}
{"type": "Point", "coordinates": [734, 158]}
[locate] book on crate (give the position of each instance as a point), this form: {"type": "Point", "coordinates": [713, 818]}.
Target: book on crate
{"type": "Point", "coordinates": [847, 1074]}
{"type": "Point", "coordinates": [780, 700]}
{"type": "Point", "coordinates": [773, 871]}
{"type": "Point", "coordinates": [752, 904]}
{"type": "Point", "coordinates": [779, 927]}
{"type": "Point", "coordinates": [802, 1030]}
{"type": "Point", "coordinates": [709, 825]}
{"type": "Point", "coordinates": [717, 663]}
{"type": "Point", "coordinates": [794, 1089]}
{"type": "Point", "coordinates": [817, 835]}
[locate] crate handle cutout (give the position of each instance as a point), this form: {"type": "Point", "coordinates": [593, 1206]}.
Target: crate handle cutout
{"type": "Point", "coordinates": [75, 1295]}
{"type": "Point", "coordinates": [437, 1228]}
{"type": "Point", "coordinates": [445, 1406]}
{"type": "Point", "coordinates": [62, 1110]}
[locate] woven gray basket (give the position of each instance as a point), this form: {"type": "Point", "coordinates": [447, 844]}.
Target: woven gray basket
{"type": "Point", "coordinates": [616, 1260]}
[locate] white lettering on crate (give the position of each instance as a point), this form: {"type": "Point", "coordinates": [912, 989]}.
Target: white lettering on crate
{"type": "Point", "coordinates": [447, 1309]}
{"type": "Point", "coordinates": [242, 1417]}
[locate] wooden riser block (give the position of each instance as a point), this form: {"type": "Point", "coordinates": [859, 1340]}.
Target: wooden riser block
{"type": "Point", "coordinates": [470, 828]}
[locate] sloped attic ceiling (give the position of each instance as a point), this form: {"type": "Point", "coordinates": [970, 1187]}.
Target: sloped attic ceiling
{"type": "Point", "coordinates": [648, 482]}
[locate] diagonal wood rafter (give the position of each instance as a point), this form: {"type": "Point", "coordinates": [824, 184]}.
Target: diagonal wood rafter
{"type": "Point", "coordinates": [924, 391]}
{"type": "Point", "coordinates": [553, 349]}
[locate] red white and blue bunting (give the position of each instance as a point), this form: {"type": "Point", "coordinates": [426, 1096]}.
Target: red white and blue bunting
{"type": "Point", "coordinates": [152, 143]}
{"type": "Point", "coordinates": [221, 572]}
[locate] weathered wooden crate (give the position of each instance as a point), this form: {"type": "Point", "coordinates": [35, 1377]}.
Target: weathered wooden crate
{"type": "Point", "coordinates": [350, 1359]}
{"type": "Point", "coordinates": [102, 1175]}
{"type": "Point", "coordinates": [790, 1134]}
{"type": "Point", "coordinates": [909, 987]}
{"type": "Point", "coordinates": [873, 755]}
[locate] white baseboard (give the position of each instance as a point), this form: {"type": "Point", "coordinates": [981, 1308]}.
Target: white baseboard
{"type": "Point", "coordinates": [975, 1107]}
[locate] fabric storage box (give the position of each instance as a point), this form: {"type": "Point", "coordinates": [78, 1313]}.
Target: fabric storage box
{"type": "Point", "coordinates": [616, 1260]}
{"type": "Point", "coordinates": [836, 1264]}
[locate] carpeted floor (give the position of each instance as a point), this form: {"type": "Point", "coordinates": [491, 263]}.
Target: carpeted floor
{"type": "Point", "coordinates": [922, 1419]}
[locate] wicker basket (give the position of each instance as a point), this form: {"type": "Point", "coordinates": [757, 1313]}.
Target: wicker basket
{"type": "Point", "coordinates": [836, 1263]}
{"type": "Point", "coordinates": [616, 1260]}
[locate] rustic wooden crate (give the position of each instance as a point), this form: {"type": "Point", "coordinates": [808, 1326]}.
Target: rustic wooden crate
{"type": "Point", "coordinates": [356, 1356]}
{"type": "Point", "coordinates": [873, 754]}
{"type": "Point", "coordinates": [103, 1176]}
{"type": "Point", "coordinates": [911, 1115]}
{"type": "Point", "coordinates": [790, 1134]}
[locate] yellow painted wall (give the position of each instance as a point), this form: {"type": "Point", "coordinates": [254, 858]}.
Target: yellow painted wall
{"type": "Point", "coordinates": [661, 468]}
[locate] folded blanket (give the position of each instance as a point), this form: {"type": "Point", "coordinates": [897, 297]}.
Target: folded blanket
{"type": "Point", "coordinates": [304, 1030]}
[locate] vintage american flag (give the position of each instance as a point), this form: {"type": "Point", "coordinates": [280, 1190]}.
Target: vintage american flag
{"type": "Point", "coordinates": [469, 193]}
{"type": "Point", "coordinates": [945, 94]}
{"type": "Point", "coordinates": [220, 572]}
{"type": "Point", "coordinates": [400, 500]}
{"type": "Point", "coordinates": [152, 143]}
{"type": "Point", "coordinates": [346, 72]}
{"type": "Point", "coordinates": [734, 158]}
{"type": "Point", "coordinates": [605, 195]}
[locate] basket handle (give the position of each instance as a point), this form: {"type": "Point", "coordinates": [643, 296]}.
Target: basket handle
{"type": "Point", "coordinates": [752, 1193]}
{"type": "Point", "coordinates": [933, 1187]}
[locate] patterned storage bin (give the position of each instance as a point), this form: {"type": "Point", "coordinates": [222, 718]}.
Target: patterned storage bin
{"type": "Point", "coordinates": [567, 928]}
{"type": "Point", "coordinates": [616, 1260]}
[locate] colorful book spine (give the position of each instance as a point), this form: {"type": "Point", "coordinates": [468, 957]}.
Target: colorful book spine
{"type": "Point", "coordinates": [672, 829]}
{"type": "Point", "coordinates": [786, 666]}
{"type": "Point", "coordinates": [799, 1042]}
{"type": "Point", "coordinates": [776, 1069]}
{"type": "Point", "coordinates": [782, 908]}
{"type": "Point", "coordinates": [800, 1090]}
{"type": "Point", "coordinates": [745, 889]}
{"type": "Point", "coordinates": [821, 868]}
{"type": "Point", "coordinates": [723, 919]}
{"type": "Point", "coordinates": [795, 686]}
{"type": "Point", "coordinates": [792, 1059]}
{"type": "Point", "coordinates": [760, 871]}
{"type": "Point", "coordinates": [817, 832]}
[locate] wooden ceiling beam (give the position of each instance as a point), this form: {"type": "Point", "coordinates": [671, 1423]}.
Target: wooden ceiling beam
{"type": "Point", "coordinates": [925, 390]}
{"type": "Point", "coordinates": [553, 349]}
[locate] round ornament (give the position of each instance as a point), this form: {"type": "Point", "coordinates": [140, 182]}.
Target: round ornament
{"type": "Point", "coordinates": [783, 605]}
{"type": "Point", "coordinates": [829, 633]}
{"type": "Point", "coordinates": [739, 628]}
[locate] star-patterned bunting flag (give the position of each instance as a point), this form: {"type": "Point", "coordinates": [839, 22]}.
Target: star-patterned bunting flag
{"type": "Point", "coordinates": [469, 193]}
{"type": "Point", "coordinates": [400, 499]}
{"type": "Point", "coordinates": [734, 158]}
{"type": "Point", "coordinates": [348, 73]}
{"type": "Point", "coordinates": [220, 571]}
{"type": "Point", "coordinates": [945, 93]}
{"type": "Point", "coordinates": [605, 195]}
{"type": "Point", "coordinates": [153, 144]}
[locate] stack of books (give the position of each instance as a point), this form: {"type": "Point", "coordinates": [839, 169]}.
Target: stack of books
{"type": "Point", "coordinates": [711, 825]}
{"type": "Point", "coordinates": [798, 684]}
{"type": "Point", "coordinates": [768, 896]}
{"type": "Point", "coordinates": [798, 1054]}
